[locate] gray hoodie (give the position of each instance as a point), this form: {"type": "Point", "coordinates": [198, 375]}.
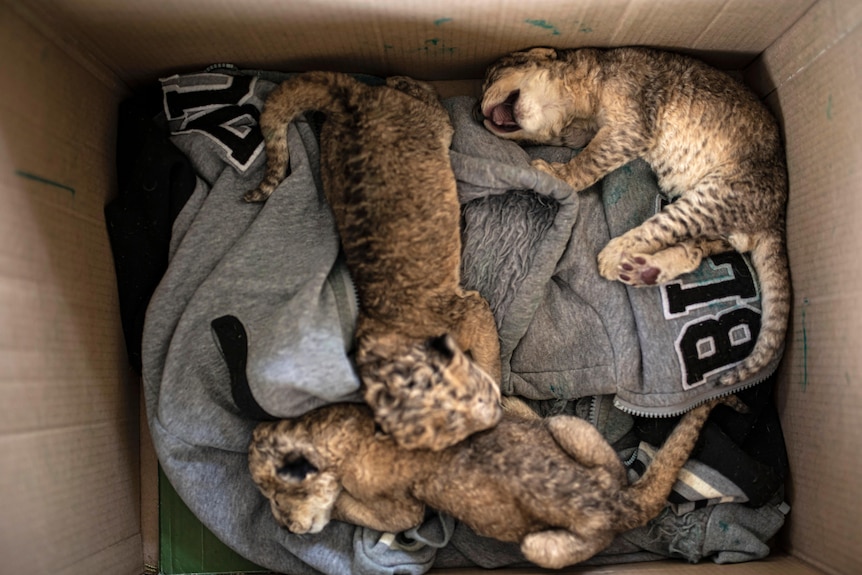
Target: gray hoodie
{"type": "Point", "coordinates": [254, 316]}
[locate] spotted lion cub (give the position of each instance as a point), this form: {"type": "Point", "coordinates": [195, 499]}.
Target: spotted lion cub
{"type": "Point", "coordinates": [555, 486]}
{"type": "Point", "coordinates": [428, 353]}
{"type": "Point", "coordinates": [713, 145]}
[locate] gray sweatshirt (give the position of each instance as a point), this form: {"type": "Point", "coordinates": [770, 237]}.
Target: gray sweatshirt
{"type": "Point", "coordinates": [254, 317]}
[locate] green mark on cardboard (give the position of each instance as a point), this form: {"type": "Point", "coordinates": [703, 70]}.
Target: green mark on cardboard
{"type": "Point", "coordinates": [829, 108]}
{"type": "Point", "coordinates": [441, 21]}
{"type": "Point", "coordinates": [544, 24]}
{"type": "Point", "coordinates": [435, 46]}
{"type": "Point", "coordinates": [41, 180]}
{"type": "Point", "coordinates": [804, 346]}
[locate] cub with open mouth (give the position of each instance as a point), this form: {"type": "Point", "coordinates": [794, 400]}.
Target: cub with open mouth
{"type": "Point", "coordinates": [532, 107]}
{"type": "Point", "coordinates": [714, 147]}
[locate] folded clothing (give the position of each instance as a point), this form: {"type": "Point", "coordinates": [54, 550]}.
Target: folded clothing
{"type": "Point", "coordinates": [253, 317]}
{"type": "Point", "coordinates": [565, 331]}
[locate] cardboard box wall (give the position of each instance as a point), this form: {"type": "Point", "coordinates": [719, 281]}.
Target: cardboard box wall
{"type": "Point", "coordinates": [72, 498]}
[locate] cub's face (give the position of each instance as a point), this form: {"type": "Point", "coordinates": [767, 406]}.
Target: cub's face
{"type": "Point", "coordinates": [292, 474]}
{"type": "Point", "coordinates": [529, 96]}
{"type": "Point", "coordinates": [429, 396]}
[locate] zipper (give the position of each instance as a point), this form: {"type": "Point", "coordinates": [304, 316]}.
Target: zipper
{"type": "Point", "coordinates": [346, 300]}
{"type": "Point", "coordinates": [641, 411]}
{"type": "Point", "coordinates": [593, 413]}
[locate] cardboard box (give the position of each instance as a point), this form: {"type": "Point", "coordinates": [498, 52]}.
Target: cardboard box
{"type": "Point", "coordinates": [72, 447]}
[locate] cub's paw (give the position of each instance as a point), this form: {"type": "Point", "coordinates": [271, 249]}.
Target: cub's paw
{"type": "Point", "coordinates": [431, 395]}
{"type": "Point", "coordinates": [611, 257]}
{"type": "Point", "coordinates": [636, 270]}
{"type": "Point", "coordinates": [552, 549]}
{"type": "Point", "coordinates": [434, 422]}
{"type": "Point", "coordinates": [609, 264]}
{"type": "Point", "coordinates": [639, 270]}
{"type": "Point", "coordinates": [553, 168]}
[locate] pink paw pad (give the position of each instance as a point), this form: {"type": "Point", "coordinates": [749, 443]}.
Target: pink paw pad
{"type": "Point", "coordinates": [637, 272]}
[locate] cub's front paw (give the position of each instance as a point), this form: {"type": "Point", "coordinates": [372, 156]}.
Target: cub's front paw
{"type": "Point", "coordinates": [639, 270]}
{"type": "Point", "coordinates": [610, 259]}
{"type": "Point", "coordinates": [616, 264]}
{"type": "Point", "coordinates": [553, 168]}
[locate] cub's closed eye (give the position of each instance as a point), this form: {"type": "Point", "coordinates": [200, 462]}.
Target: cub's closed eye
{"type": "Point", "coordinates": [295, 467]}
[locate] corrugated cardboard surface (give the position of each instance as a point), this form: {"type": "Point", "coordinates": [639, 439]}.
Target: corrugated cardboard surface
{"type": "Point", "coordinates": [821, 381]}
{"type": "Point", "coordinates": [69, 472]}
{"type": "Point", "coordinates": [777, 565]}
{"type": "Point", "coordinates": [69, 457]}
{"type": "Point", "coordinates": [429, 39]}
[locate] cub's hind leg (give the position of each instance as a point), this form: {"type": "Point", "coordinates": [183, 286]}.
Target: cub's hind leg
{"type": "Point", "coordinates": [585, 444]}
{"type": "Point", "coordinates": [420, 90]}
{"type": "Point", "coordinates": [381, 513]}
{"type": "Point", "coordinates": [554, 549]}
{"type": "Point", "coordinates": [413, 87]}
{"type": "Point", "coordinates": [436, 116]}
{"type": "Point", "coordinates": [476, 333]}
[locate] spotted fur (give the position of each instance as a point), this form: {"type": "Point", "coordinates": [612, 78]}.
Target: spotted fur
{"type": "Point", "coordinates": [428, 352]}
{"type": "Point", "coordinates": [714, 146]}
{"type": "Point", "coordinates": [555, 485]}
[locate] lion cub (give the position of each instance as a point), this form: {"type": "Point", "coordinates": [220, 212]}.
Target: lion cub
{"type": "Point", "coordinates": [555, 485]}
{"type": "Point", "coordinates": [428, 353]}
{"type": "Point", "coordinates": [713, 145]}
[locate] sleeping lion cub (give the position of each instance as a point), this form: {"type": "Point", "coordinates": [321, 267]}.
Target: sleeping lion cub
{"type": "Point", "coordinates": [714, 146]}
{"type": "Point", "coordinates": [554, 485]}
{"type": "Point", "coordinates": [428, 353]}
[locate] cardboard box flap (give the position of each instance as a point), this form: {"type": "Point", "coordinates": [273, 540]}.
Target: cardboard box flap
{"type": "Point", "coordinates": [68, 423]}
{"type": "Point", "coordinates": [70, 479]}
{"type": "Point", "coordinates": [821, 397]}
{"type": "Point", "coordinates": [140, 40]}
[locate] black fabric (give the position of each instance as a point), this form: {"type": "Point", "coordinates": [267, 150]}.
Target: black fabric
{"type": "Point", "coordinates": [234, 348]}
{"type": "Point", "coordinates": [155, 180]}
{"type": "Point", "coordinates": [747, 448]}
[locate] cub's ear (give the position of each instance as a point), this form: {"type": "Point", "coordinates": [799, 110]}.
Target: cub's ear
{"type": "Point", "coordinates": [295, 467]}
{"type": "Point", "coordinates": [541, 53]}
{"type": "Point", "coordinates": [443, 345]}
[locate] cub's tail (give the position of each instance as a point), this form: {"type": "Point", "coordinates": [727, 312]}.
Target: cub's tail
{"type": "Point", "coordinates": [327, 92]}
{"type": "Point", "coordinates": [769, 258]}
{"type": "Point", "coordinates": [644, 499]}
